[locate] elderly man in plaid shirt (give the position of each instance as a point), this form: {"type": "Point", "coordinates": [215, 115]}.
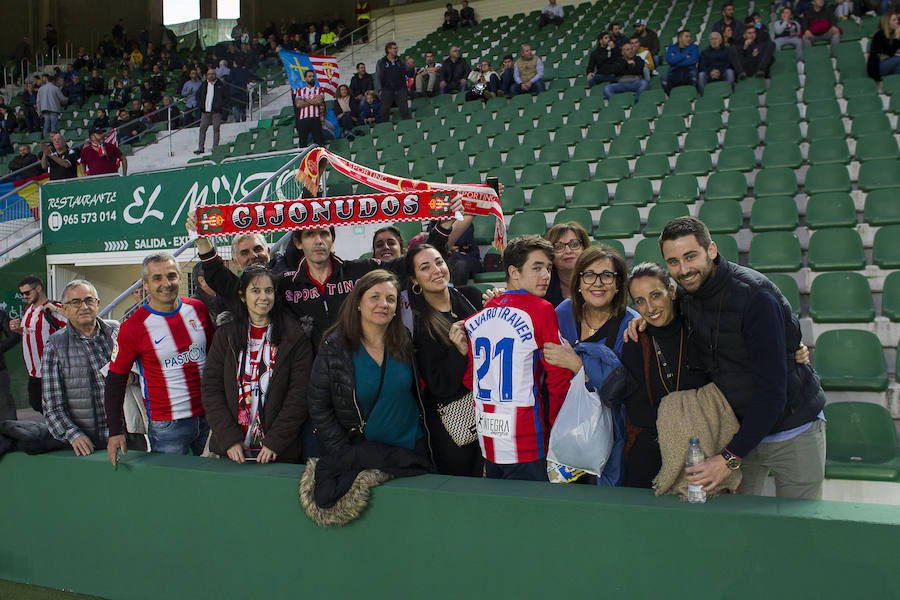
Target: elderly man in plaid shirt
{"type": "Point", "coordinates": [73, 384]}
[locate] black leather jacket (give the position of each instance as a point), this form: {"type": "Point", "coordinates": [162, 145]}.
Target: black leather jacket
{"type": "Point", "coordinates": [333, 408]}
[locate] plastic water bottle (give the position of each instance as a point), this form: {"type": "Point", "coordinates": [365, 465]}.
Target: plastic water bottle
{"type": "Point", "coordinates": [694, 456]}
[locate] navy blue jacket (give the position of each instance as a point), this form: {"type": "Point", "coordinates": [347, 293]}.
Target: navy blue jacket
{"type": "Point", "coordinates": [714, 59]}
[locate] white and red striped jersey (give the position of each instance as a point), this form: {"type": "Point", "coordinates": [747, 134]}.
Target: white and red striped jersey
{"type": "Point", "coordinates": [38, 323]}
{"type": "Point", "coordinates": [308, 93]}
{"type": "Point", "coordinates": [170, 351]}
{"type": "Point", "coordinates": [517, 393]}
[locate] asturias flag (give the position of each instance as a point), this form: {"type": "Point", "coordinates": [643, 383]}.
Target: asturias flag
{"type": "Point", "coordinates": [325, 67]}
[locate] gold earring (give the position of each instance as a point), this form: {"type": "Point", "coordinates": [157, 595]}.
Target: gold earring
{"type": "Point", "coordinates": [416, 291]}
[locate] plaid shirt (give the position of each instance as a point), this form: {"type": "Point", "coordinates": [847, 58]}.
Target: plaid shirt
{"type": "Point", "coordinates": [98, 350]}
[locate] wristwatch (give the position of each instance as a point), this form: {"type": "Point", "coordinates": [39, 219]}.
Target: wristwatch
{"type": "Point", "coordinates": [732, 461]}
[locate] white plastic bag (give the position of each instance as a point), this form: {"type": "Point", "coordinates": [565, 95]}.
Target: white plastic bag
{"type": "Point", "coordinates": [582, 436]}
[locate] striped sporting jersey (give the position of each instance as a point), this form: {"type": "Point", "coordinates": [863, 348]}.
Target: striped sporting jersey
{"type": "Point", "coordinates": [308, 93]}
{"type": "Point", "coordinates": [38, 323]}
{"type": "Point", "coordinates": [170, 350]}
{"type": "Point", "coordinates": [517, 393]}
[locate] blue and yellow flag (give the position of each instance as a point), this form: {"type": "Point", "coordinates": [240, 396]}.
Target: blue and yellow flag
{"type": "Point", "coordinates": [296, 64]}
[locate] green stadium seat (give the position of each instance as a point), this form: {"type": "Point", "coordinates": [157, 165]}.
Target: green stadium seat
{"type": "Point", "coordinates": [727, 246]}
{"type": "Point", "coordinates": [652, 166]}
{"type": "Point", "coordinates": [882, 208]}
{"type": "Point", "coordinates": [396, 166]}
{"type": "Point", "coordinates": [744, 118]}
{"type": "Point", "coordinates": [573, 173]}
{"type": "Point", "coordinates": [706, 121]}
{"type": "Point", "coordinates": [487, 160]}
{"type": "Point", "coordinates": [582, 216]}
{"type": "Point", "coordinates": [743, 98]}
{"type": "Point", "coordinates": [741, 136]}
{"type": "Point", "coordinates": [827, 178]}
{"type": "Point", "coordinates": [841, 298]}
{"type": "Point", "coordinates": [717, 89]}
{"type": "Point", "coordinates": [409, 229]}
{"type": "Point", "coordinates": [492, 129]}
{"type": "Point", "coordinates": [703, 140]}
{"type": "Point", "coordinates": [446, 148]}
{"type": "Point", "coordinates": [679, 188]}
{"type": "Point", "coordinates": [886, 250]}
{"type": "Point", "coordinates": [782, 113]}
{"type": "Point", "coordinates": [644, 111]}
{"type": "Point", "coordinates": [869, 123]}
{"type": "Point", "coordinates": [823, 109]}
{"type": "Point", "coordinates": [862, 442]}
{"type": "Point", "coordinates": [635, 128]}
{"type": "Point", "coordinates": [611, 170]}
{"type": "Point", "coordinates": [738, 158]}
{"type": "Point", "coordinates": [830, 209]}
{"type": "Point", "coordinates": [465, 176]}
{"type": "Point", "coordinates": [678, 107]}
{"type": "Point", "coordinates": [730, 185]}
{"type": "Point", "coordinates": [879, 174]}
{"type": "Point", "coordinates": [722, 216]}
{"type": "Point", "coordinates": [393, 152]}
{"type": "Point", "coordinates": [421, 149]}
{"type": "Point", "coordinates": [455, 163]}
{"type": "Point", "coordinates": [505, 142]}
{"type": "Point", "coordinates": [775, 251]}
{"type": "Point", "coordinates": [877, 146]}
{"type": "Point", "coordinates": [671, 125]}
{"type": "Point", "coordinates": [783, 133]}
{"type": "Point", "coordinates": [624, 147]}
{"type": "Point", "coordinates": [647, 250]}
{"type": "Point", "coordinates": [710, 104]}
{"type": "Point", "coordinates": [548, 198]}
{"type": "Point", "coordinates": [777, 181]}
{"type": "Point", "coordinates": [590, 150]}
{"type": "Point", "coordinates": [850, 360]}
{"type": "Point", "coordinates": [830, 152]}
{"type": "Point", "coordinates": [484, 229]}
{"type": "Point", "coordinates": [684, 92]}
{"type": "Point", "coordinates": [426, 167]}
{"type": "Point", "coordinates": [836, 249]}
{"type": "Point", "coordinates": [693, 162]}
{"type": "Point", "coordinates": [475, 145]}
{"type": "Point", "coordinates": [612, 114]}
{"type": "Point", "coordinates": [568, 136]}
{"type": "Point", "coordinates": [890, 297]}
{"type": "Point", "coordinates": [554, 154]}
{"type": "Point", "coordinates": [636, 192]}
{"type": "Point", "coordinates": [590, 195]}
{"type": "Point", "coordinates": [782, 154]}
{"type": "Point", "coordinates": [789, 289]}
{"type": "Point", "coordinates": [862, 86]}
{"type": "Point", "coordinates": [618, 222]}
{"type": "Point", "coordinates": [527, 222]}
{"type": "Point", "coordinates": [825, 129]}
{"type": "Point", "coordinates": [513, 200]}
{"type": "Point", "coordinates": [661, 214]}
{"type": "Point", "coordinates": [519, 158]}
{"type": "Point", "coordinates": [536, 139]}
{"type": "Point", "coordinates": [535, 175]}
{"type": "Point", "coordinates": [661, 144]}
{"type": "Point", "coordinates": [614, 244]}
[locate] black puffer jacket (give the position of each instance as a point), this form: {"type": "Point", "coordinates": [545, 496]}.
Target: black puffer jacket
{"type": "Point", "coordinates": [332, 397]}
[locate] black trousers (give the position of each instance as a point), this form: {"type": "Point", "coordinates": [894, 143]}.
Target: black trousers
{"type": "Point", "coordinates": [307, 126]}
{"type": "Point", "coordinates": [34, 393]}
{"type": "Point", "coordinates": [396, 98]}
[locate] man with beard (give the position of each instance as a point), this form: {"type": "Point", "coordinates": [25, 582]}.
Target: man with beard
{"type": "Point", "coordinates": [745, 335]}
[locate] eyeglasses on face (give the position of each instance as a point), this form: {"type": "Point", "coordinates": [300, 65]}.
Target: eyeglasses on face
{"type": "Point", "coordinates": [77, 302]}
{"type": "Point", "coordinates": [559, 247]}
{"type": "Point", "coordinates": [27, 292]}
{"type": "Point", "coordinates": [590, 277]}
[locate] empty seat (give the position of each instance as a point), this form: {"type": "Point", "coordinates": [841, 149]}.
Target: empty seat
{"type": "Point", "coordinates": [850, 360]}
{"type": "Point", "coordinates": [775, 251]}
{"type": "Point", "coordinates": [727, 246]}
{"type": "Point", "coordinates": [548, 198]}
{"type": "Point", "coordinates": [722, 216]}
{"type": "Point", "coordinates": [877, 146]}
{"type": "Point", "coordinates": [832, 209]}
{"type": "Point", "coordinates": [741, 136]}
{"type": "Point", "coordinates": [836, 249]}
{"type": "Point", "coordinates": [618, 222]}
{"type": "Point", "coordinates": [774, 213]}
{"type": "Point", "coordinates": [726, 186]}
{"type": "Point", "coordinates": [637, 192]}
{"type": "Point", "coordinates": [614, 244]}
{"type": "Point", "coordinates": [827, 178]}
{"type": "Point", "coordinates": [519, 158]}
{"type": "Point", "coordinates": [869, 123]}
{"type": "Point", "coordinates": [886, 251]}
{"type": "Point", "coordinates": [782, 154]}
{"type": "Point", "coordinates": [783, 133]}
{"type": "Point", "coordinates": [661, 214]}
{"type": "Point", "coordinates": [611, 170]}
{"type": "Point", "coordinates": [694, 162]}
{"type": "Point", "coordinates": [706, 140]}
{"type": "Point", "coordinates": [573, 172]}
{"type": "Point", "coordinates": [513, 200]}
{"type": "Point", "coordinates": [862, 442]}
{"type": "Point", "coordinates": [882, 208]}
{"type": "Point", "coordinates": [789, 289]}
{"type": "Point", "coordinates": [527, 222]}
{"type": "Point", "coordinates": [890, 297]}
{"type": "Point", "coordinates": [679, 188]}
{"type": "Point", "coordinates": [635, 128]}
{"type": "Point", "coordinates": [841, 298]}
{"type": "Point", "coordinates": [828, 152]}
{"type": "Point", "coordinates": [739, 158]}
{"type": "Point", "coordinates": [661, 144]}
{"type": "Point", "coordinates": [652, 166]}
{"type": "Point", "coordinates": [582, 216]}
{"type": "Point", "coordinates": [535, 175]}
{"type": "Point", "coordinates": [647, 250]}
{"type": "Point", "coordinates": [779, 181]}
{"type": "Point", "coordinates": [590, 150]}
{"type": "Point", "coordinates": [590, 195]}
{"type": "Point", "coordinates": [624, 147]}
{"type": "Point", "coordinates": [879, 174]}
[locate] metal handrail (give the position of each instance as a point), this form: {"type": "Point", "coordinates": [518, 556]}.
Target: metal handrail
{"type": "Point", "coordinates": [32, 235]}
{"type": "Point", "coordinates": [109, 308]}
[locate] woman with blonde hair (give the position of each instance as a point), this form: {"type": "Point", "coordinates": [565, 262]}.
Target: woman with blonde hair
{"type": "Point", "coordinates": [884, 52]}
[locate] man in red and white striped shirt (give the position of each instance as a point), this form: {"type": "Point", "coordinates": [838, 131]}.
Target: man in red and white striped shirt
{"type": "Point", "coordinates": [310, 103]}
{"type": "Point", "coordinates": [40, 319]}
{"type": "Point", "coordinates": [168, 338]}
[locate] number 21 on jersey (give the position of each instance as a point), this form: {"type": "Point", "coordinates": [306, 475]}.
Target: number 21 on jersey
{"type": "Point", "coordinates": [500, 358]}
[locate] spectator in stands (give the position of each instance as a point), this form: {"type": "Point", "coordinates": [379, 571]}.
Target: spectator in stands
{"type": "Point", "coordinates": [715, 63]}
{"type": "Point", "coordinates": [99, 157]}
{"type": "Point", "coordinates": [787, 30]}
{"type": "Point", "coordinates": [149, 93]}
{"type": "Point", "coordinates": [410, 73]}
{"type": "Point", "coordinates": [644, 53]}
{"type": "Point", "coordinates": [483, 82]}
{"type": "Point", "coordinates": [628, 70]}
{"type": "Point", "coordinates": [467, 15]}
{"type": "Point", "coordinates": [312, 38]}
{"type": "Point", "coordinates": [50, 101]}
{"type": "Point", "coordinates": [26, 162]}
{"type": "Point", "coordinates": [205, 294]}
{"type": "Point", "coordinates": [256, 405]}
{"type": "Point", "coordinates": [189, 91]}
{"type": "Point", "coordinates": [95, 86]}
{"type": "Point", "coordinates": [212, 97]}
{"type": "Point", "coordinates": [40, 319]}
{"type": "Point", "coordinates": [777, 401]}
{"type": "Point", "coordinates": [61, 160]}
{"type": "Point", "coordinates": [569, 240]}
{"type": "Point", "coordinates": [223, 69]}
{"type": "Point", "coordinates": [240, 77]}
{"type": "Point", "coordinates": [757, 22]}
{"type": "Point", "coordinates": [308, 106]}
{"type": "Point", "coordinates": [507, 78]}
{"type": "Point", "coordinates": [136, 58]}
{"type": "Point", "coordinates": [451, 18]}
{"type": "Point", "coordinates": [72, 382]}
{"type": "Point", "coordinates": [820, 24]}
{"type": "Point", "coordinates": [843, 9]}
{"type": "Point", "coordinates": [616, 35]}
{"type": "Point", "coordinates": [682, 59]}
{"type": "Point", "coordinates": [101, 120]}
{"type": "Point", "coordinates": [137, 110]}
{"type": "Point", "coordinates": [435, 306]}
{"type": "Point", "coordinates": [341, 35]}
{"type": "Point", "coordinates": [391, 74]}
{"type": "Point", "coordinates": [454, 71]}
{"type": "Point", "coordinates": [67, 75]}
{"type": "Point", "coordinates": [649, 39]}
{"type": "Point", "coordinates": [74, 91]}
{"type": "Point", "coordinates": [427, 77]}
{"type": "Point", "coordinates": [8, 340]}
{"type": "Point", "coordinates": [728, 20]}
{"type": "Point", "coordinates": [327, 38]}
{"type": "Point", "coordinates": [346, 110]}
{"type": "Point", "coordinates": [118, 95]}
{"type": "Point", "coordinates": [363, 16]}
{"type": "Point", "coordinates": [361, 82]}
{"type": "Point", "coordinates": [8, 124]}
{"type": "Point", "coordinates": [599, 69]}
{"type": "Point", "coordinates": [388, 244]}
{"type": "Point", "coordinates": [172, 112]}
{"type": "Point", "coordinates": [754, 57]}
{"type": "Point", "coordinates": [884, 52]}
{"type": "Point", "coordinates": [552, 13]}
{"type": "Point", "coordinates": [171, 366]}
{"type": "Point", "coordinates": [97, 62]}
{"type": "Point", "coordinates": [128, 81]}
{"type": "Point", "coordinates": [528, 73]}
{"type": "Point", "coordinates": [370, 111]}
{"type": "Point", "coordinates": [29, 107]}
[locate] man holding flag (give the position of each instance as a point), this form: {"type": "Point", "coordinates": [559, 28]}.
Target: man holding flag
{"type": "Point", "coordinates": [309, 104]}
{"type": "Point", "coordinates": [311, 78]}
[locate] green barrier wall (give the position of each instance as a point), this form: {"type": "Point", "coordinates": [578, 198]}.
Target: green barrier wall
{"type": "Point", "coordinates": [183, 527]}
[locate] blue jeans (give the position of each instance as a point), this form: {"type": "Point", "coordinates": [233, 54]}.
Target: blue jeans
{"type": "Point", "coordinates": [51, 121]}
{"type": "Point", "coordinates": [238, 112]}
{"type": "Point", "coordinates": [536, 88]}
{"type": "Point", "coordinates": [890, 66]}
{"type": "Point", "coordinates": [600, 78]}
{"type": "Point", "coordinates": [703, 79]}
{"type": "Point", "coordinates": [638, 87]}
{"type": "Point", "coordinates": [179, 436]}
{"type": "Point", "coordinates": [528, 471]}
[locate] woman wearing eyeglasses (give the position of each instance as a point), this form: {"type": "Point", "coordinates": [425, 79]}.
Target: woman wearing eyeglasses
{"type": "Point", "coordinates": [597, 312]}
{"type": "Point", "coordinates": [569, 240]}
